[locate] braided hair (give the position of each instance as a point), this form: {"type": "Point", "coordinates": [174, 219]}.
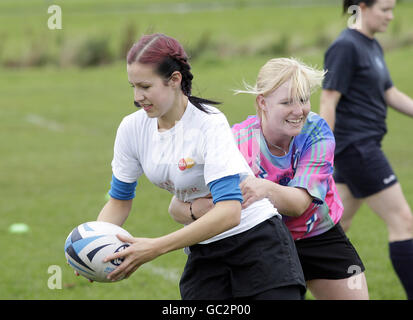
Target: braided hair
{"type": "Point", "coordinates": [169, 56]}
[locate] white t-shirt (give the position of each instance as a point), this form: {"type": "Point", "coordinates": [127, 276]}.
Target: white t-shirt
{"type": "Point", "coordinates": [205, 140]}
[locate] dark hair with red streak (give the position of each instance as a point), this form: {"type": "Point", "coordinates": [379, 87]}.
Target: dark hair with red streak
{"type": "Point", "coordinates": [169, 56]}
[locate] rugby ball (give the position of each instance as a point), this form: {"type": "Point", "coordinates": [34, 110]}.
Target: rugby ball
{"type": "Point", "coordinates": [89, 243]}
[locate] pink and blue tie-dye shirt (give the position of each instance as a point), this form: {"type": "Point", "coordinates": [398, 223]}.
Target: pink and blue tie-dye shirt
{"type": "Point", "coordinates": [308, 165]}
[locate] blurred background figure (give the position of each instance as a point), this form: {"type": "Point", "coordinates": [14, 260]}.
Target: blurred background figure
{"type": "Point", "coordinates": [356, 92]}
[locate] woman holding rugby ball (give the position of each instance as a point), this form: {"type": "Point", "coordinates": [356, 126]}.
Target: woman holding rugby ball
{"type": "Point", "coordinates": [184, 145]}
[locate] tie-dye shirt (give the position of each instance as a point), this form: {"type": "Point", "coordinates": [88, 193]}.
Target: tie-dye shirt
{"type": "Point", "coordinates": [308, 165]}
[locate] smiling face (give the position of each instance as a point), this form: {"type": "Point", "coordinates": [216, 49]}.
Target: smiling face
{"type": "Point", "coordinates": [151, 91]}
{"type": "Point", "coordinates": [282, 118]}
{"type": "Point", "coordinates": [377, 17]}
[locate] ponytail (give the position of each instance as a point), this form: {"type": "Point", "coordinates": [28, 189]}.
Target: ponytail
{"type": "Point", "coordinates": [199, 103]}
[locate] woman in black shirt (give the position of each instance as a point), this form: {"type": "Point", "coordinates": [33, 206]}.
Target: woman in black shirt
{"type": "Point", "coordinates": [356, 92]}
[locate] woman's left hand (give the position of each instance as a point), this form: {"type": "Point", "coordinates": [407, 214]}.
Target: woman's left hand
{"type": "Point", "coordinates": [140, 251]}
{"type": "Point", "coordinates": [253, 189]}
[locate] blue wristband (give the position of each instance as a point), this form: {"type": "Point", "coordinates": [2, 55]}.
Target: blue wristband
{"type": "Point", "coordinates": [122, 190]}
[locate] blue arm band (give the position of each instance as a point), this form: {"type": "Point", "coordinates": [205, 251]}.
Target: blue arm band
{"type": "Point", "coordinates": [226, 188]}
{"type": "Point", "coordinates": [122, 190]}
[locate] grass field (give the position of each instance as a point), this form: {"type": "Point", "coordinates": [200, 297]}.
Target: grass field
{"type": "Point", "coordinates": [57, 128]}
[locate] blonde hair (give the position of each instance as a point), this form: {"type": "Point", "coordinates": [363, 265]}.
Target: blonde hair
{"type": "Point", "coordinates": [304, 79]}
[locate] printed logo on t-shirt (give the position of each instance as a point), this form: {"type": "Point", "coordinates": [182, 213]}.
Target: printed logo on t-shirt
{"type": "Point", "coordinates": [378, 62]}
{"type": "Point", "coordinates": [310, 222]}
{"type": "Point", "coordinates": [186, 163]}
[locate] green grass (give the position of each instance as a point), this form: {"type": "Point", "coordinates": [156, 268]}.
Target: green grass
{"type": "Point", "coordinates": [24, 25]}
{"type": "Point", "coordinates": [57, 128]}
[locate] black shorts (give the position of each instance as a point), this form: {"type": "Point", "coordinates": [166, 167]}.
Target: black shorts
{"type": "Point", "coordinates": [364, 168]}
{"type": "Point", "coordinates": [243, 265]}
{"type": "Point", "coordinates": [329, 255]}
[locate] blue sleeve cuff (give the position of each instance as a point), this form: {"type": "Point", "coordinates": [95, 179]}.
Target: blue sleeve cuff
{"type": "Point", "coordinates": [122, 190]}
{"type": "Point", "coordinates": [226, 188]}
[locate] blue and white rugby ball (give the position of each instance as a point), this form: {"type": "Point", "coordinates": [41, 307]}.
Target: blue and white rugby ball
{"type": "Point", "coordinates": [89, 243]}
